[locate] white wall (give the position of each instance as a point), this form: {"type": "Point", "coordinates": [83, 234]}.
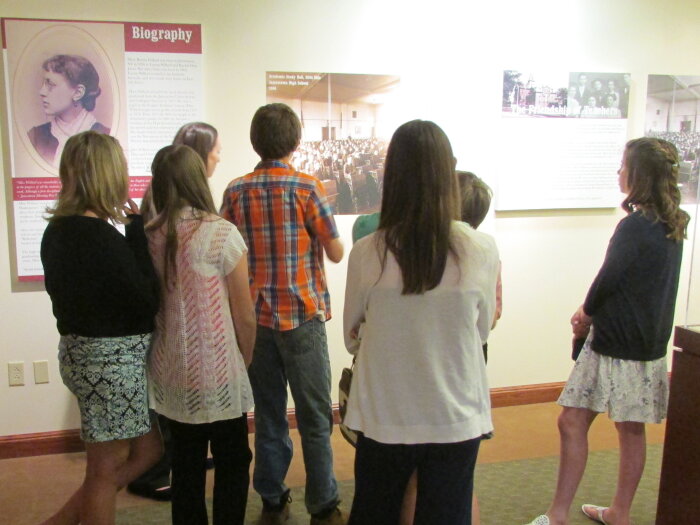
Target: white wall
{"type": "Point", "coordinates": [316, 117]}
{"type": "Point", "coordinates": [450, 57]}
{"type": "Point", "coordinates": [685, 110]}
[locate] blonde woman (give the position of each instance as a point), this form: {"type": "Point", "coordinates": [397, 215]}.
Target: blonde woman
{"type": "Point", "coordinates": [104, 294]}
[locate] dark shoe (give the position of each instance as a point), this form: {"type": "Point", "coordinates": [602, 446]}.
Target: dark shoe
{"type": "Point", "coordinates": [275, 514]}
{"type": "Point", "coordinates": [331, 517]}
{"type": "Point", "coordinates": [157, 491]}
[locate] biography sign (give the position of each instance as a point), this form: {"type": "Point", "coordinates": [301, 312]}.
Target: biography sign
{"type": "Point", "coordinates": [138, 82]}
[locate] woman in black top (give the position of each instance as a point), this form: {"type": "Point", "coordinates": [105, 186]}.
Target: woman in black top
{"type": "Point", "coordinates": [104, 295]}
{"type": "Point", "coordinates": [626, 319]}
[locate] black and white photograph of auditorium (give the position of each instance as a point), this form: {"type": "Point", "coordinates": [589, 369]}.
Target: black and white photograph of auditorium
{"type": "Point", "coordinates": [673, 102]}
{"type": "Point", "coordinates": [347, 121]}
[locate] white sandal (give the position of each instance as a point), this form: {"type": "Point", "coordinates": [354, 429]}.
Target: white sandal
{"type": "Point", "coordinates": [598, 516]}
{"type": "Point", "coordinates": [540, 520]}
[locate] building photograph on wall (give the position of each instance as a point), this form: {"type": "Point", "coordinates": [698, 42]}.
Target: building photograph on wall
{"type": "Point", "coordinates": [552, 121]}
{"type": "Point", "coordinates": [346, 126]}
{"type": "Point", "coordinates": [672, 114]}
{"type": "Point", "coordinates": [572, 95]}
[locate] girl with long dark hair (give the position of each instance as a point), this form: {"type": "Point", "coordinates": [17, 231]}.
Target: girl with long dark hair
{"type": "Point", "coordinates": [420, 299]}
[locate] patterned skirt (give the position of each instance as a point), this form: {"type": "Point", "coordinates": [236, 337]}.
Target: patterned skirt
{"type": "Point", "coordinates": [630, 391]}
{"type": "Point", "coordinates": [108, 376]}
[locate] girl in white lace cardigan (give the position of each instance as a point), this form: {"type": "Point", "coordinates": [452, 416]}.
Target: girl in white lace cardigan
{"type": "Point", "coordinates": [204, 338]}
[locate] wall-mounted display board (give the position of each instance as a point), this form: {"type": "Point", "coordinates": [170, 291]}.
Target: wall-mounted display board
{"type": "Point", "coordinates": [562, 136]}
{"type": "Point", "coordinates": [347, 121]}
{"type": "Point", "coordinates": [136, 81]}
{"type": "Point", "coordinates": [673, 103]}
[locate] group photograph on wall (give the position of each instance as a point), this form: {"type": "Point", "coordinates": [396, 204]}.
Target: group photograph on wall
{"type": "Point", "coordinates": [572, 95]}
{"type": "Point", "coordinates": [672, 108]}
{"type": "Point", "coordinates": [566, 130]}
{"type": "Point", "coordinates": [347, 121]}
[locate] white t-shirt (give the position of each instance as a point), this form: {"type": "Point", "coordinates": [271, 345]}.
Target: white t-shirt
{"type": "Point", "coordinates": [196, 372]}
{"type": "Point", "coordinates": [420, 375]}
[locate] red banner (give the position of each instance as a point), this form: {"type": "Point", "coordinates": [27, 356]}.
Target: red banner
{"type": "Point", "coordinates": [162, 38]}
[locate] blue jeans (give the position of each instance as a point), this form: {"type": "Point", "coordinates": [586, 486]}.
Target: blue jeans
{"type": "Point", "coordinates": [300, 357]}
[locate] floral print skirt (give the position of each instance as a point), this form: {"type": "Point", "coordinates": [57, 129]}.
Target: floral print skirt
{"type": "Point", "coordinates": [634, 391]}
{"type": "Point", "coordinates": [108, 376]}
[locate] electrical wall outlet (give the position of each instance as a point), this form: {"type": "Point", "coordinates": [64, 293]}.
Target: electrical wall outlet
{"type": "Point", "coordinates": [15, 373]}
{"type": "Point", "coordinates": [41, 372]}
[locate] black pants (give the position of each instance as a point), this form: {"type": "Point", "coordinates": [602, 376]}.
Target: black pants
{"type": "Point", "coordinates": [445, 482]}
{"type": "Point", "coordinates": [232, 456]}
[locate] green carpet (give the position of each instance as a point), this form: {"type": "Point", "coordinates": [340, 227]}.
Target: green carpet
{"type": "Point", "coordinates": [510, 493]}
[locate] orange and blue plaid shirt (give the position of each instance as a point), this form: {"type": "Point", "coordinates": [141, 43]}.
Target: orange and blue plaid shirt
{"type": "Point", "coordinates": [283, 216]}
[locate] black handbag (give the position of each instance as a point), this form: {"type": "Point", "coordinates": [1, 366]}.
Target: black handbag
{"type": "Point", "coordinates": [576, 347]}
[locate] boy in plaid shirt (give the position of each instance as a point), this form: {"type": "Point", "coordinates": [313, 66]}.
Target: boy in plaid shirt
{"type": "Point", "coordinates": [287, 224]}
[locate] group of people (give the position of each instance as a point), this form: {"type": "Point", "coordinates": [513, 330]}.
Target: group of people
{"type": "Point", "coordinates": [598, 98]}
{"type": "Point", "coordinates": [355, 167]}
{"type": "Point", "coordinates": [688, 144]}
{"type": "Point", "coordinates": [203, 315]}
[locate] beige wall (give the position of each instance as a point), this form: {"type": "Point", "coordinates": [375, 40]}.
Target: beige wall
{"type": "Point", "coordinates": [450, 60]}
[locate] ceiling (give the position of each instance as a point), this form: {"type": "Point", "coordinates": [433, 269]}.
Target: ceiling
{"type": "Point", "coordinates": [345, 87]}
{"type": "Point", "coordinates": [662, 86]}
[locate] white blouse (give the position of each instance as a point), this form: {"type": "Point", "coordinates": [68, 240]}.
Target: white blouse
{"type": "Point", "coordinates": [420, 375]}
{"type": "Point", "coordinates": [196, 372]}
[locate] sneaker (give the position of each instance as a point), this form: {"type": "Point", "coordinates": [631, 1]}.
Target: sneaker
{"type": "Point", "coordinates": [275, 514]}
{"type": "Point", "coordinates": [331, 517]}
{"type": "Point", "coordinates": [540, 520]}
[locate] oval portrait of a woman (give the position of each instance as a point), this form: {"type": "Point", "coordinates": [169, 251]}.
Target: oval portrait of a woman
{"type": "Point", "coordinates": [66, 78]}
{"type": "Point", "coordinates": [68, 94]}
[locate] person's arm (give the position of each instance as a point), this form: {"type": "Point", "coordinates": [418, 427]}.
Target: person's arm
{"type": "Point", "coordinates": [334, 249]}
{"type": "Point", "coordinates": [319, 220]}
{"type": "Point", "coordinates": [242, 311]}
{"type": "Point", "coordinates": [354, 308]}
{"type": "Point", "coordinates": [499, 298]}
{"type": "Point", "coordinates": [580, 323]}
{"type": "Point", "coordinates": [133, 274]}
{"type": "Point", "coordinates": [622, 251]}
{"type": "Point", "coordinates": [226, 210]}
{"type": "Point", "coordinates": [487, 306]}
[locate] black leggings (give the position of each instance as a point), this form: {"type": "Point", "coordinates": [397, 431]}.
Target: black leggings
{"type": "Point", "coordinates": [232, 456]}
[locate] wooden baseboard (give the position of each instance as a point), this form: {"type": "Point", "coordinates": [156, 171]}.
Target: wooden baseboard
{"type": "Point", "coordinates": [41, 443]}
{"type": "Point", "coordinates": [525, 394]}
{"type": "Point", "coordinates": [65, 441]}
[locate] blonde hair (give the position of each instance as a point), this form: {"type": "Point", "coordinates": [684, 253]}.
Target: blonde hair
{"type": "Point", "coordinates": [94, 177]}
{"type": "Point", "coordinates": [476, 198]}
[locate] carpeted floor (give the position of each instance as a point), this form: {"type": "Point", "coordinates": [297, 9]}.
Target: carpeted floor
{"type": "Point", "coordinates": [510, 493]}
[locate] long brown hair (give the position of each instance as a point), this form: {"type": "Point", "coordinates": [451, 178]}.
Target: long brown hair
{"type": "Point", "coordinates": [199, 136]}
{"type": "Point", "coordinates": [419, 202]}
{"type": "Point", "coordinates": [652, 181]}
{"type": "Point", "coordinates": [93, 177]}
{"type": "Point", "coordinates": [179, 180]}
